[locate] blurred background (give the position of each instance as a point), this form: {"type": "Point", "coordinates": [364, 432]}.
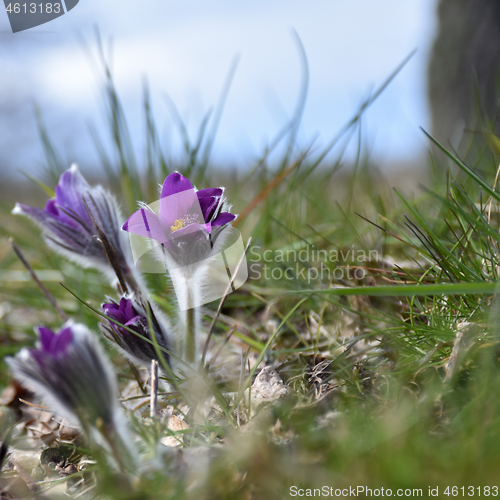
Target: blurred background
{"type": "Point", "coordinates": [191, 53]}
{"type": "Point", "coordinates": [186, 51]}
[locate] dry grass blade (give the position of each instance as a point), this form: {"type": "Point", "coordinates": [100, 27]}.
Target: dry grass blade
{"type": "Point", "coordinates": [464, 340]}
{"type": "Point", "coordinates": [266, 191]}
{"type": "Point", "coordinates": [40, 285]}
{"type": "Point", "coordinates": [154, 389]}
{"type": "Point", "coordinates": [108, 249]}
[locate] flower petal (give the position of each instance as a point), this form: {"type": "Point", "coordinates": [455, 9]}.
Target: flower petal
{"type": "Point", "coordinates": [208, 205]}
{"type": "Point", "coordinates": [38, 356]}
{"type": "Point", "coordinates": [113, 312]}
{"type": "Point", "coordinates": [223, 218]}
{"type": "Point", "coordinates": [175, 183]}
{"type": "Point", "coordinates": [67, 232]}
{"type": "Point", "coordinates": [79, 385]}
{"type": "Point", "coordinates": [177, 206]}
{"type": "Point", "coordinates": [41, 216]}
{"type": "Point", "coordinates": [209, 192]}
{"type": "Point", "coordinates": [69, 193]}
{"type": "Point", "coordinates": [145, 223]}
{"type": "Point", "coordinates": [51, 207]}
{"type": "Point", "coordinates": [62, 341]}
{"type": "Point", "coordinates": [127, 307]}
{"type": "Point", "coordinates": [46, 336]}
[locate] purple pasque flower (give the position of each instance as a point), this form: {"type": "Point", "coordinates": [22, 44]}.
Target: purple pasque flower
{"type": "Point", "coordinates": [132, 314]}
{"type": "Point", "coordinates": [70, 371]}
{"type": "Point", "coordinates": [92, 241]}
{"type": "Point", "coordinates": [188, 222]}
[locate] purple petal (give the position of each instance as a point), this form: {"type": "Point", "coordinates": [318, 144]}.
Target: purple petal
{"type": "Point", "coordinates": [51, 343]}
{"type": "Point", "coordinates": [175, 183]}
{"type": "Point", "coordinates": [51, 207]}
{"type": "Point", "coordinates": [113, 312]}
{"type": "Point", "coordinates": [46, 336]}
{"type": "Point", "coordinates": [62, 341]}
{"type": "Point", "coordinates": [69, 191]}
{"type": "Point", "coordinates": [108, 307]}
{"type": "Point", "coordinates": [217, 192]}
{"type": "Point", "coordinates": [145, 223]}
{"type": "Point", "coordinates": [208, 205]}
{"type": "Point", "coordinates": [61, 227]}
{"type": "Point", "coordinates": [40, 216]}
{"type": "Point", "coordinates": [127, 307]}
{"type": "Point", "coordinates": [223, 218]}
{"type": "Point", "coordinates": [123, 305]}
{"type": "Point", "coordinates": [119, 317]}
{"type": "Point", "coordinates": [176, 206]}
{"type": "Point", "coordinates": [38, 356]}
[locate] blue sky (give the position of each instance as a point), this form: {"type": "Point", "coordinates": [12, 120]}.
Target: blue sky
{"type": "Point", "coordinates": [185, 50]}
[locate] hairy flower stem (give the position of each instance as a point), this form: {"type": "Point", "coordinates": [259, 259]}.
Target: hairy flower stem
{"type": "Point", "coordinates": [191, 335]}
{"type": "Point", "coordinates": [119, 448]}
{"type": "Point", "coordinates": [188, 342]}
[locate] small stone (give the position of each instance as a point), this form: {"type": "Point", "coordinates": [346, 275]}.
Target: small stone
{"type": "Point", "coordinates": [175, 424]}
{"type": "Point", "coordinates": [268, 385]}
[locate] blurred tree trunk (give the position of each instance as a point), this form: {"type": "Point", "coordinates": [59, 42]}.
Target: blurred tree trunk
{"type": "Point", "coordinates": [464, 70]}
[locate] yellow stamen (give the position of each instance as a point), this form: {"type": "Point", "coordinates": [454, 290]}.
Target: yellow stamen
{"type": "Point", "coordinates": [184, 221]}
{"type": "Point", "coordinates": [178, 225]}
